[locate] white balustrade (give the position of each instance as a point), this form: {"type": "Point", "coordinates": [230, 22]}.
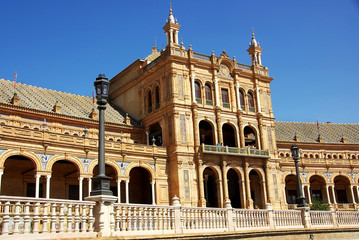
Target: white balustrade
{"type": "Point", "coordinates": [321, 218]}
{"type": "Point", "coordinates": [46, 217]}
{"type": "Point", "coordinates": [287, 219]}
{"type": "Point", "coordinates": [347, 218]}
{"type": "Point", "coordinates": [250, 218]}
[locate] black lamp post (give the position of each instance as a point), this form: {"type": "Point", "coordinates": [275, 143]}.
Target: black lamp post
{"type": "Point", "coordinates": [101, 183]}
{"type": "Point", "coordinates": [295, 154]}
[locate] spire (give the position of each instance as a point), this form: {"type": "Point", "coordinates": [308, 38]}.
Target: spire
{"type": "Point", "coordinates": [171, 29]}
{"type": "Point", "coordinates": [255, 51]}
{"type": "Point", "coordinates": [254, 42]}
{"type": "Point", "coordinates": [171, 18]}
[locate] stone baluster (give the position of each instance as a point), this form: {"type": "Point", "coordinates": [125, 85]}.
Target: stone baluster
{"type": "Point", "coordinates": [124, 220]}
{"type": "Point", "coordinates": [91, 220]}
{"type": "Point", "coordinates": [36, 218]}
{"type": "Point", "coordinates": [77, 218]}
{"type": "Point", "coordinates": [6, 219]}
{"type": "Point", "coordinates": [16, 218]}
{"type": "Point", "coordinates": [117, 218]}
{"type": "Point", "coordinates": [46, 218]}
{"type": "Point", "coordinates": [27, 218]}
{"type": "Point", "coordinates": [69, 218]}
{"type": "Point", "coordinates": [62, 218]}
{"type": "Point", "coordinates": [83, 218]}
{"type": "Point", "coordinates": [53, 218]}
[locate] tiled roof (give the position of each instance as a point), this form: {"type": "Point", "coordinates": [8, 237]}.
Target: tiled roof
{"type": "Point", "coordinates": [43, 99]}
{"type": "Point", "coordinates": [155, 54]}
{"type": "Point", "coordinates": [308, 132]}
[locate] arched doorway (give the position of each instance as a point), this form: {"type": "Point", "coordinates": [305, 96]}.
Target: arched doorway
{"type": "Point", "coordinates": [19, 177]}
{"type": "Point", "coordinates": [256, 189]}
{"type": "Point", "coordinates": [234, 190]}
{"type": "Point", "coordinates": [229, 138]}
{"type": "Point", "coordinates": [155, 134]}
{"type": "Point", "coordinates": [250, 138]}
{"type": "Point", "coordinates": [317, 188]}
{"type": "Point", "coordinates": [110, 172]}
{"type": "Point", "coordinates": [206, 133]}
{"type": "Point", "coordinates": [291, 188]}
{"type": "Point", "coordinates": [64, 180]}
{"type": "Point", "coordinates": [342, 189]}
{"type": "Point", "coordinates": [140, 186]}
{"type": "Point", "coordinates": [210, 187]}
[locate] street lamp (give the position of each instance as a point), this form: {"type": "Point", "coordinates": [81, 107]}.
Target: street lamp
{"type": "Point", "coordinates": [101, 183]}
{"type": "Point", "coordinates": [295, 154]}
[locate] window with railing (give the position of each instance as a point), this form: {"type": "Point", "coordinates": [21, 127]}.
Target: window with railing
{"type": "Point", "coordinates": [225, 98]}
{"type": "Point", "coordinates": [157, 98]}
{"type": "Point", "coordinates": [208, 92]}
{"type": "Point", "coordinates": [251, 107]}
{"type": "Point", "coordinates": [241, 100]}
{"type": "Point", "coordinates": [197, 92]}
{"type": "Point", "coordinates": [149, 102]}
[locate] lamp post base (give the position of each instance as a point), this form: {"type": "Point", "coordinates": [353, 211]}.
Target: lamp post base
{"type": "Point", "coordinates": [101, 186]}
{"type": "Point", "coordinates": [301, 202]}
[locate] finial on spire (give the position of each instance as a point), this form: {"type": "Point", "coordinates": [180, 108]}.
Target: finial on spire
{"type": "Point", "coordinates": [253, 42]}
{"type": "Point", "coordinates": [170, 7]}
{"type": "Point", "coordinates": [171, 18]}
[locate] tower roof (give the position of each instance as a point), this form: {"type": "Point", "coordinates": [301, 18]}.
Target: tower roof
{"type": "Point", "coordinates": [171, 18]}
{"type": "Point", "coordinates": [253, 42]}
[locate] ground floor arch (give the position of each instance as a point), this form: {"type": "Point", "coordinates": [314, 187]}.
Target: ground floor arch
{"type": "Point", "coordinates": [211, 188]}
{"type": "Point", "coordinates": [65, 180]}
{"type": "Point", "coordinates": [343, 191]}
{"type": "Point", "coordinates": [317, 189]}
{"type": "Point", "coordinates": [291, 189]}
{"type": "Point", "coordinates": [140, 186]}
{"type": "Point", "coordinates": [257, 189]}
{"type": "Point", "coordinates": [19, 177]}
{"type": "Point", "coordinates": [235, 190]}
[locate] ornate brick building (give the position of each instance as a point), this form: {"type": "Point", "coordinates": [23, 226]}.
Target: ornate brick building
{"type": "Point", "coordinates": [179, 123]}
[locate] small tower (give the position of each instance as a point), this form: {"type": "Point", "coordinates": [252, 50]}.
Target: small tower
{"type": "Point", "coordinates": [255, 51]}
{"type": "Point", "coordinates": [171, 29]}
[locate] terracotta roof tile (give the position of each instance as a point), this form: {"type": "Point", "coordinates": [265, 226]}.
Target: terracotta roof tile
{"type": "Point", "coordinates": [43, 99]}
{"type": "Point", "coordinates": [308, 132]}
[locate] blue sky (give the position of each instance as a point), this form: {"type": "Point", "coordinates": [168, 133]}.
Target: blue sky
{"type": "Point", "coordinates": [310, 47]}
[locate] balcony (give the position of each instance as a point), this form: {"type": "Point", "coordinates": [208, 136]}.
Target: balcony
{"type": "Point", "coordinates": [235, 151]}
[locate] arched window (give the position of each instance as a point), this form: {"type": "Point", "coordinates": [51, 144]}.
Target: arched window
{"type": "Point", "coordinates": [197, 92]}
{"type": "Point", "coordinates": [250, 102]}
{"type": "Point", "coordinates": [241, 100]}
{"type": "Point", "coordinates": [208, 92]}
{"type": "Point", "coordinates": [149, 101]}
{"type": "Point", "coordinates": [157, 97]}
{"type": "Point", "coordinates": [225, 97]}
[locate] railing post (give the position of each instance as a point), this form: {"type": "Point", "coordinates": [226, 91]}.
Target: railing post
{"type": "Point", "coordinates": [305, 216]}
{"type": "Point", "coordinates": [177, 214]}
{"type": "Point", "coordinates": [270, 212]}
{"type": "Point", "coordinates": [334, 216]}
{"type": "Point", "coordinates": [104, 214]}
{"type": "Point", "coordinates": [229, 211]}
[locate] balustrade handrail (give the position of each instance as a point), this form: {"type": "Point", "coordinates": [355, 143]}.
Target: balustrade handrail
{"type": "Point", "coordinates": [234, 150]}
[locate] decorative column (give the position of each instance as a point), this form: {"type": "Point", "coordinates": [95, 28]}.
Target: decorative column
{"type": "Point", "coordinates": [1, 173]}
{"type": "Point", "coordinates": [118, 190]}
{"type": "Point", "coordinates": [309, 196]}
{"type": "Point", "coordinates": [153, 193]}
{"type": "Point", "coordinates": [37, 189]}
{"type": "Point", "coordinates": [285, 195]}
{"type": "Point", "coordinates": [216, 91]}
{"type": "Point", "coordinates": [202, 200]}
{"type": "Point", "coordinates": [264, 193]}
{"type": "Point", "coordinates": [80, 188]}
{"type": "Point", "coordinates": [237, 97]}
{"type": "Point", "coordinates": [243, 193]}
{"type": "Point", "coordinates": [357, 188]}
{"type": "Point", "coordinates": [206, 186]}
{"type": "Point", "coordinates": [249, 201]}
{"type": "Point", "coordinates": [127, 195]}
{"type": "Point", "coordinates": [227, 201]}
{"type": "Point", "coordinates": [334, 198]}
{"type": "Point", "coordinates": [327, 191]}
{"type": "Point", "coordinates": [219, 128]}
{"type": "Point", "coordinates": [90, 185]}
{"type": "Point", "coordinates": [193, 88]}
{"type": "Point", "coordinates": [352, 193]}
{"type": "Point", "coordinates": [258, 100]}
{"type": "Point", "coordinates": [220, 193]}
{"type": "Point", "coordinates": [48, 178]}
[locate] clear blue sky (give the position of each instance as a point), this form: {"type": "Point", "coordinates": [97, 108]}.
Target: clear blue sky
{"type": "Point", "coordinates": [310, 47]}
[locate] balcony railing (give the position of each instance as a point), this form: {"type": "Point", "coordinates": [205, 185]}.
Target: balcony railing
{"type": "Point", "coordinates": [234, 150]}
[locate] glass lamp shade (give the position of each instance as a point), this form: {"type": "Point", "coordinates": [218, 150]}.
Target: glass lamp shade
{"type": "Point", "coordinates": [101, 86]}
{"type": "Point", "coordinates": [295, 151]}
